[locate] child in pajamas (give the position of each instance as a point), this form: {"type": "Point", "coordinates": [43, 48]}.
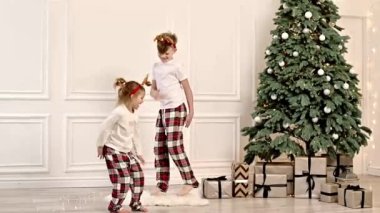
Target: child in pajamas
{"type": "Point", "coordinates": [119, 144]}
{"type": "Point", "coordinates": [168, 85]}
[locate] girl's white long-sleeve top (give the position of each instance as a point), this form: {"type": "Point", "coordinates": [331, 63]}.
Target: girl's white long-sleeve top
{"type": "Point", "coordinates": [120, 131]}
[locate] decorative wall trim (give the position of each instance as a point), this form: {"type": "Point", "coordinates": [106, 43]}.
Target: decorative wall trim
{"type": "Point", "coordinates": [43, 92]}
{"type": "Point", "coordinates": [38, 119]}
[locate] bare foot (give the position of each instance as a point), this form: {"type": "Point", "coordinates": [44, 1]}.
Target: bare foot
{"type": "Point", "coordinates": [142, 209]}
{"type": "Point", "coordinates": [184, 190]}
{"type": "Point", "coordinates": [122, 210]}
{"type": "Point", "coordinates": [157, 192]}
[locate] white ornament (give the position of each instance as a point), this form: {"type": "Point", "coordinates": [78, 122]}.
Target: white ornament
{"type": "Point", "coordinates": [326, 91]}
{"type": "Point", "coordinates": [258, 119]}
{"type": "Point", "coordinates": [295, 54]}
{"type": "Point", "coordinates": [335, 136]}
{"type": "Point", "coordinates": [346, 86]}
{"type": "Point", "coordinates": [267, 52]}
{"type": "Point", "coordinates": [327, 109]}
{"type": "Point", "coordinates": [340, 47]}
{"type": "Point", "coordinates": [328, 78]}
{"type": "Point", "coordinates": [285, 125]}
{"type": "Point", "coordinates": [324, 20]}
{"type": "Point", "coordinates": [308, 15]}
{"type": "Point", "coordinates": [269, 71]}
{"type": "Point", "coordinates": [306, 30]}
{"type": "Point", "coordinates": [284, 5]}
{"type": "Point", "coordinates": [275, 37]}
{"type": "Point", "coordinates": [315, 120]}
{"type": "Point", "coordinates": [318, 47]}
{"type": "Point", "coordinates": [336, 86]}
{"type": "Point", "coordinates": [281, 63]}
{"type": "Point", "coordinates": [273, 96]}
{"type": "Point", "coordinates": [321, 72]}
{"type": "Point", "coordinates": [322, 37]}
{"type": "Point", "coordinates": [352, 71]}
{"type": "Point", "coordinates": [284, 35]}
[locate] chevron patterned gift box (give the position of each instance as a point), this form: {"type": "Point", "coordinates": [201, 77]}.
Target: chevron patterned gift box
{"type": "Point", "coordinates": [239, 171]}
{"type": "Point", "coordinates": [240, 188]}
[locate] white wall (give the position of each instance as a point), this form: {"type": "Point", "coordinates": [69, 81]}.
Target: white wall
{"type": "Point", "coordinates": [59, 59]}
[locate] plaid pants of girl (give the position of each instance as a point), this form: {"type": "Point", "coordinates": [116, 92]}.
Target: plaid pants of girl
{"type": "Point", "coordinates": [125, 172]}
{"type": "Point", "coordinates": [169, 140]}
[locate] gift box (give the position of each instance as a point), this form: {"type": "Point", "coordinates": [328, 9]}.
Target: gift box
{"type": "Point", "coordinates": [309, 175]}
{"type": "Point", "coordinates": [240, 188]}
{"type": "Point", "coordinates": [329, 192]}
{"type": "Point", "coordinates": [217, 188]}
{"type": "Point", "coordinates": [240, 171]}
{"type": "Point", "coordinates": [355, 197]}
{"type": "Point", "coordinates": [270, 185]}
{"type": "Point", "coordinates": [337, 166]}
{"type": "Point", "coordinates": [348, 181]}
{"type": "Point", "coordinates": [279, 169]}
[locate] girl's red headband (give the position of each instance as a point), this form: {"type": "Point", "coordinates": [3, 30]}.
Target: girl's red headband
{"type": "Point", "coordinates": [134, 91]}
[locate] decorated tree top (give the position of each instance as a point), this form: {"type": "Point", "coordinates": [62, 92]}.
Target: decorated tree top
{"type": "Point", "coordinates": [308, 96]}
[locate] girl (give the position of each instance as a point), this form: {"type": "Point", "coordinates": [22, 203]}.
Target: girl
{"type": "Point", "coordinates": [119, 144]}
{"type": "Point", "coordinates": [168, 85]}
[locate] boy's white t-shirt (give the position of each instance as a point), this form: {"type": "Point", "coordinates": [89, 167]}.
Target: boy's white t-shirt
{"type": "Point", "coordinates": [168, 77]}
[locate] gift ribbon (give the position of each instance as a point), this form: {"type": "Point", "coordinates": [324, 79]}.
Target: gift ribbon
{"type": "Point", "coordinates": [219, 179]}
{"type": "Point", "coordinates": [329, 194]}
{"type": "Point", "coordinates": [266, 188]}
{"type": "Point", "coordinates": [354, 188]}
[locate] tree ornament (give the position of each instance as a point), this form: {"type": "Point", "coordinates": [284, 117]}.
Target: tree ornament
{"type": "Point", "coordinates": [258, 119]}
{"type": "Point", "coordinates": [323, 20]}
{"type": "Point", "coordinates": [269, 71]}
{"type": "Point", "coordinates": [281, 63]}
{"type": "Point", "coordinates": [346, 86]}
{"type": "Point", "coordinates": [336, 86]}
{"type": "Point", "coordinates": [318, 47]}
{"type": "Point", "coordinates": [285, 125]}
{"type": "Point", "coordinates": [326, 91]}
{"type": "Point", "coordinates": [315, 120]}
{"type": "Point", "coordinates": [275, 36]}
{"type": "Point", "coordinates": [327, 109]}
{"type": "Point", "coordinates": [335, 136]}
{"type": "Point", "coordinates": [306, 30]}
{"type": "Point", "coordinates": [295, 54]}
{"type": "Point", "coordinates": [322, 37]}
{"type": "Point", "coordinates": [285, 35]}
{"type": "Point", "coordinates": [308, 15]}
{"type": "Point", "coordinates": [352, 71]}
{"type": "Point", "coordinates": [273, 96]}
{"type": "Point", "coordinates": [267, 52]}
{"type": "Point", "coordinates": [328, 78]}
{"type": "Point", "coordinates": [284, 5]}
{"type": "Point", "coordinates": [321, 72]}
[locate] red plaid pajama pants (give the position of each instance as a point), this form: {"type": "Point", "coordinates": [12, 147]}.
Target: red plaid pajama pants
{"type": "Point", "coordinates": [169, 140]}
{"type": "Point", "coordinates": [125, 173]}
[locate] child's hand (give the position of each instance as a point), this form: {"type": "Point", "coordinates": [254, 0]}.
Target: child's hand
{"type": "Point", "coordinates": [140, 157]}
{"type": "Point", "coordinates": [189, 118]}
{"type": "Point", "coordinates": [155, 94]}
{"type": "Point", "coordinates": [100, 152]}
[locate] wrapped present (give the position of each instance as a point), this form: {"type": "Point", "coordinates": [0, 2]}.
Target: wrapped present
{"type": "Point", "coordinates": [270, 185]}
{"type": "Point", "coordinates": [335, 167]}
{"type": "Point", "coordinates": [329, 192]}
{"type": "Point", "coordinates": [309, 175]}
{"type": "Point", "coordinates": [214, 188]}
{"type": "Point", "coordinates": [240, 171]}
{"type": "Point", "coordinates": [348, 181]}
{"type": "Point", "coordinates": [278, 168]}
{"type": "Point", "coordinates": [355, 197]}
{"type": "Point", "coordinates": [240, 188]}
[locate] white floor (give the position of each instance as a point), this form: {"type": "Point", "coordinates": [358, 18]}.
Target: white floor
{"type": "Point", "coordinates": [92, 200]}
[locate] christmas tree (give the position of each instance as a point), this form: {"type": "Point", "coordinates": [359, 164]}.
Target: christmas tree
{"type": "Point", "coordinates": [308, 96]}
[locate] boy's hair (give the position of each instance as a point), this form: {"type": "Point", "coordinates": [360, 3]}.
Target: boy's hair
{"type": "Point", "coordinates": [164, 41]}
{"type": "Point", "coordinates": [125, 89]}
